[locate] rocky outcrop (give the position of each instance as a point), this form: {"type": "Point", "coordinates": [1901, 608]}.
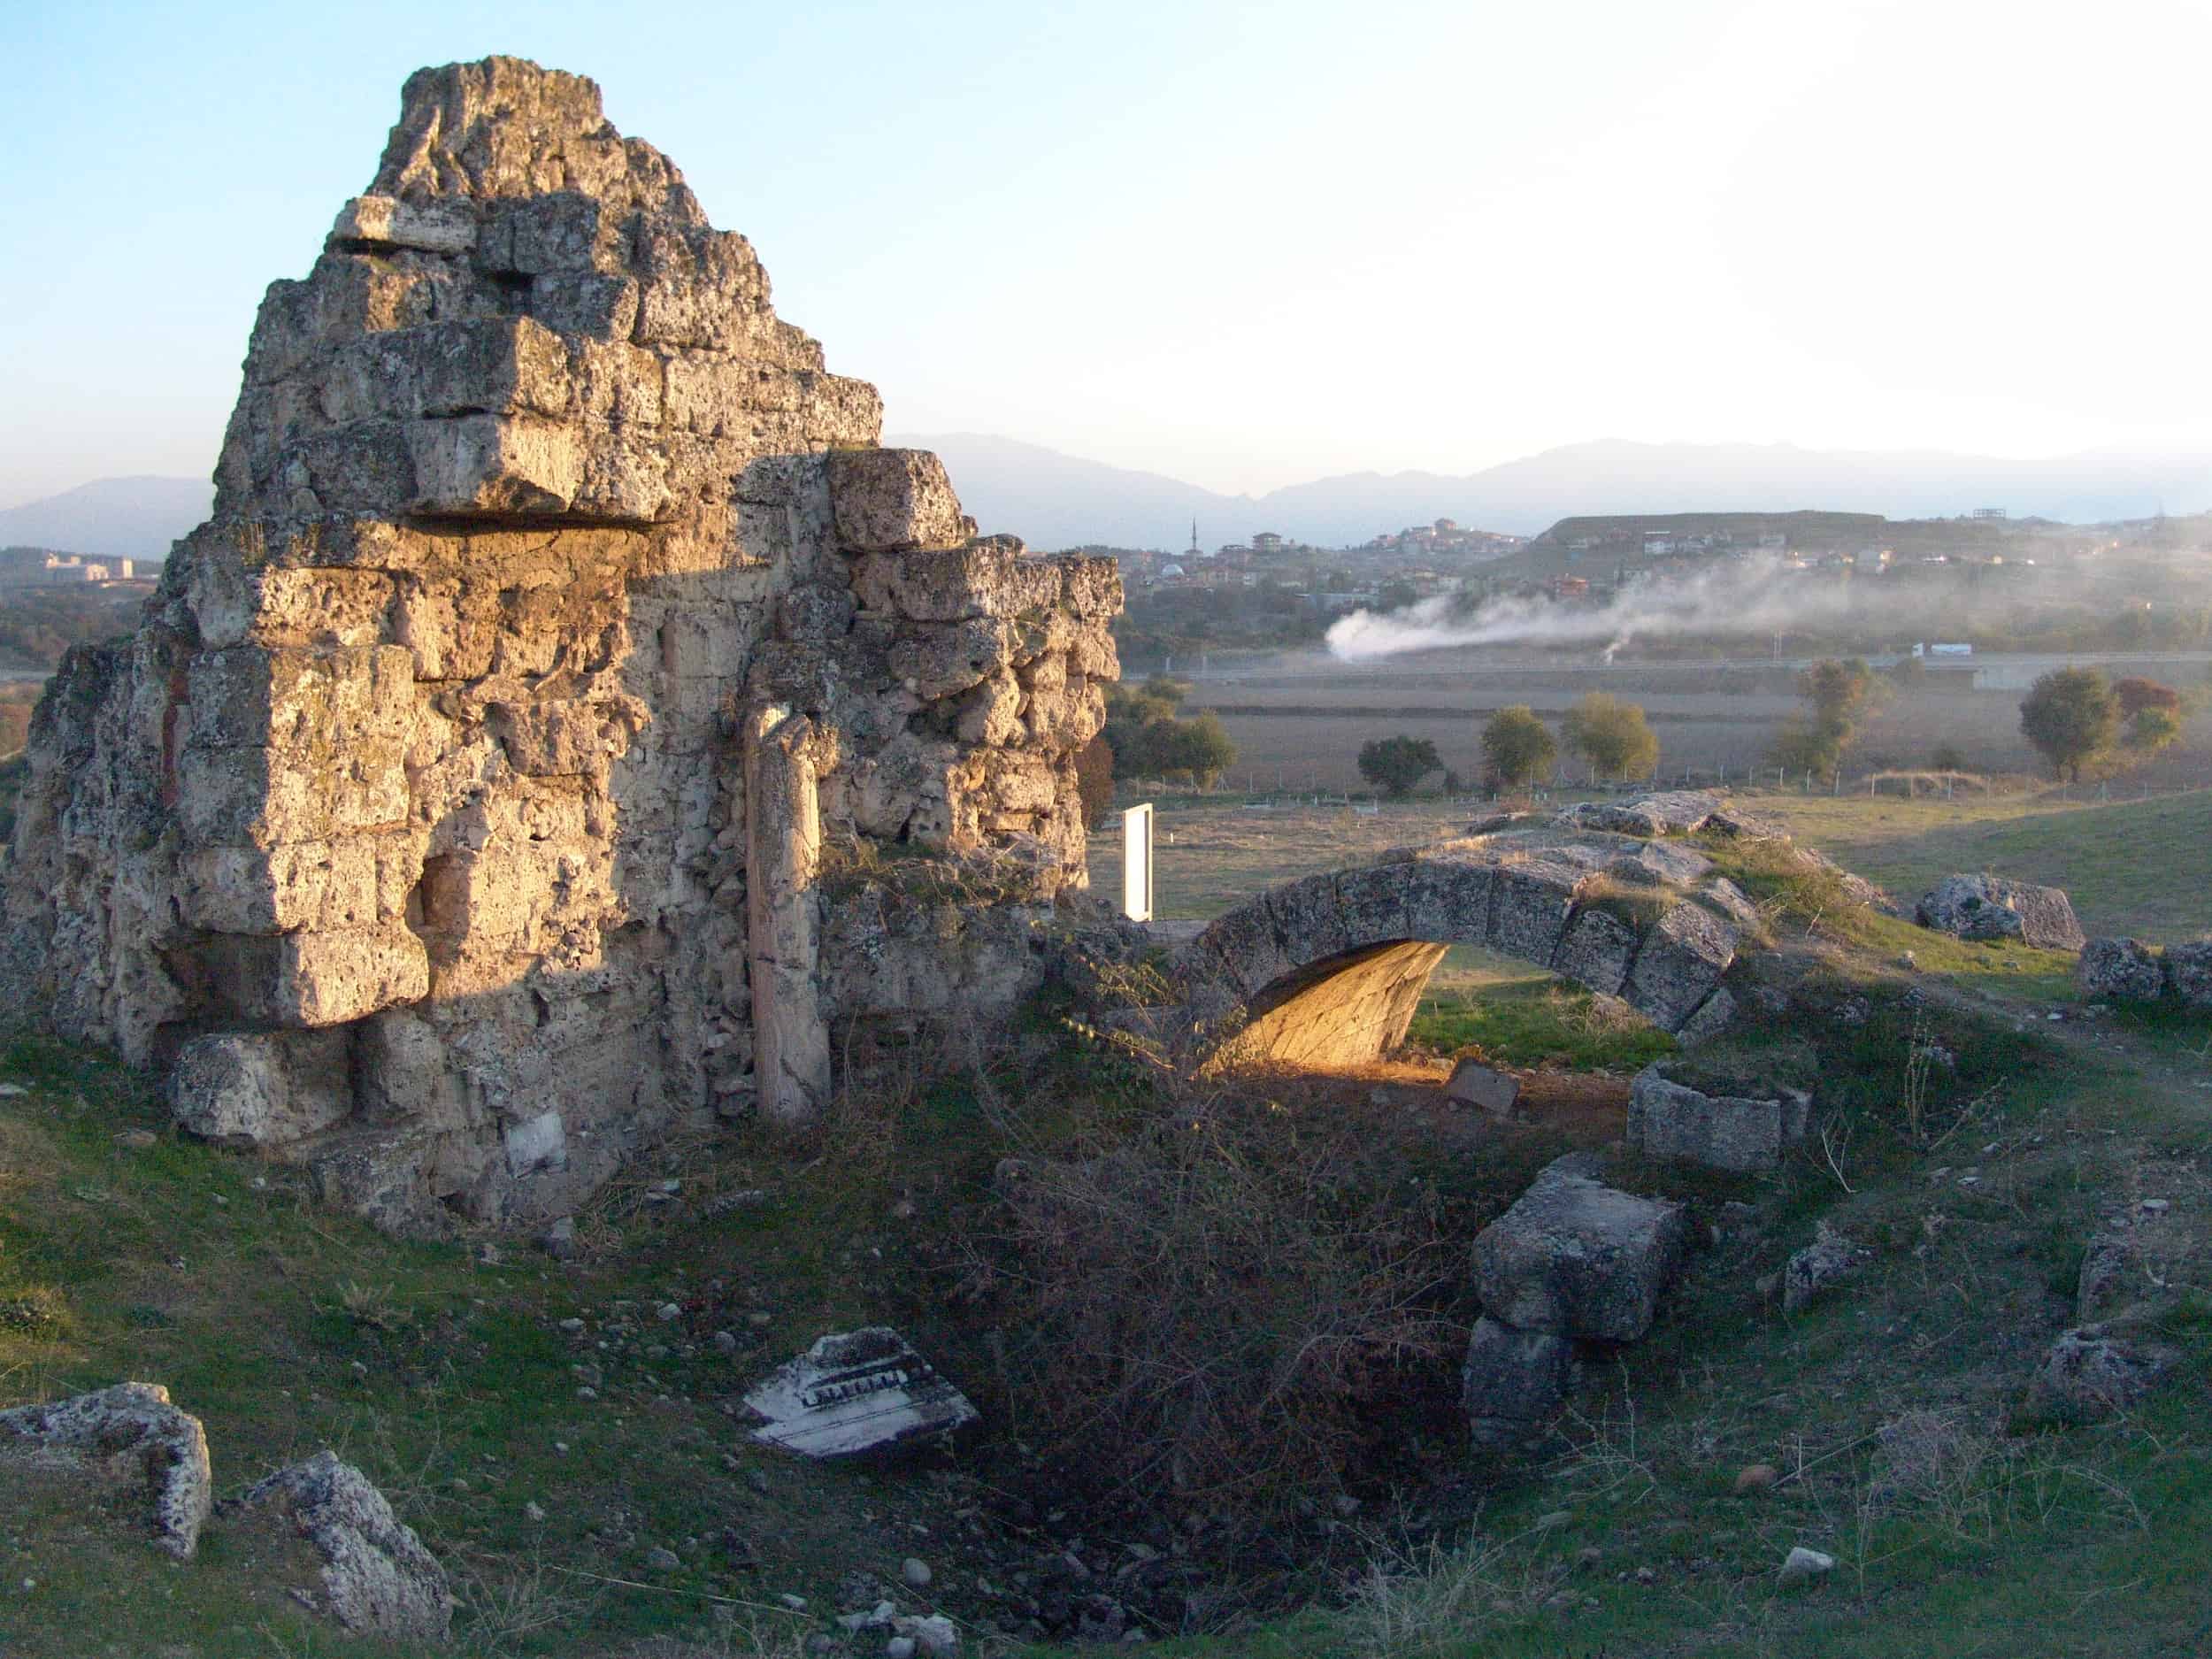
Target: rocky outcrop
{"type": "Point", "coordinates": [1984, 907]}
{"type": "Point", "coordinates": [1745, 1133]}
{"type": "Point", "coordinates": [132, 1436]}
{"type": "Point", "coordinates": [376, 1576]}
{"type": "Point", "coordinates": [2092, 1373]}
{"type": "Point", "coordinates": [427, 829]}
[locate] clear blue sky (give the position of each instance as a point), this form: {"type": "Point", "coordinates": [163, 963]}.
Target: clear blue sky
{"type": "Point", "coordinates": [1244, 244]}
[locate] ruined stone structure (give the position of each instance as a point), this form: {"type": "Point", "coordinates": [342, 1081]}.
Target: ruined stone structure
{"type": "Point", "coordinates": [452, 821]}
{"type": "Point", "coordinates": [1329, 971]}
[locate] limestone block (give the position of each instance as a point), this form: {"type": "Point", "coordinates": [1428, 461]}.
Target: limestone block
{"type": "Point", "coordinates": [986, 579]}
{"type": "Point", "coordinates": [1576, 1257]}
{"type": "Point", "coordinates": [133, 1434]}
{"type": "Point", "coordinates": [991, 713]}
{"type": "Point", "coordinates": [537, 235]}
{"type": "Point", "coordinates": [1681, 960]}
{"type": "Point", "coordinates": [376, 1576]}
{"type": "Point", "coordinates": [2124, 969]}
{"type": "Point", "coordinates": [299, 699]}
{"type": "Point", "coordinates": [1715, 1015]}
{"type": "Point", "coordinates": [1596, 951]}
{"type": "Point", "coordinates": [357, 882]}
{"type": "Point", "coordinates": [1983, 907]}
{"type": "Point", "coordinates": [1091, 588]}
{"type": "Point", "coordinates": [262, 1090]}
{"type": "Point", "coordinates": [1511, 1378]}
{"type": "Point", "coordinates": [443, 226]}
{"type": "Point", "coordinates": [2189, 973]}
{"type": "Point", "coordinates": [315, 978]}
{"type": "Point", "coordinates": [407, 1072]}
{"type": "Point", "coordinates": [1530, 912]}
{"type": "Point", "coordinates": [488, 465]}
{"type": "Point", "coordinates": [942, 660]}
{"type": "Point", "coordinates": [560, 738]}
{"type": "Point", "coordinates": [891, 500]}
{"type": "Point", "coordinates": [1448, 901]}
{"type": "Point", "coordinates": [1484, 1087]}
{"type": "Point", "coordinates": [1743, 1135]}
{"type": "Point", "coordinates": [536, 1143]}
{"type": "Point", "coordinates": [262, 797]}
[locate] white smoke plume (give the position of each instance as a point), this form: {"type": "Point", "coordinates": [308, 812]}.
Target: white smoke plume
{"type": "Point", "coordinates": [1753, 596]}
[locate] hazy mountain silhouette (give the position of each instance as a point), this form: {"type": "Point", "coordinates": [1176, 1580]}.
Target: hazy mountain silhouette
{"type": "Point", "coordinates": [114, 518]}
{"type": "Point", "coordinates": [1057, 499]}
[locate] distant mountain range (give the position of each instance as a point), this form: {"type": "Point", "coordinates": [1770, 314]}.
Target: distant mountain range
{"type": "Point", "coordinates": [1055, 501]}
{"type": "Point", "coordinates": [113, 518]}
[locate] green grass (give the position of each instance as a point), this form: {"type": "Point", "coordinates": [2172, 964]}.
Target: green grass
{"type": "Point", "coordinates": [2138, 867]}
{"type": "Point", "coordinates": [1521, 1018]}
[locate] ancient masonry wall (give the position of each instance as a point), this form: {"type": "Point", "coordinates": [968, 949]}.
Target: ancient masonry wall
{"type": "Point", "coordinates": [409, 833]}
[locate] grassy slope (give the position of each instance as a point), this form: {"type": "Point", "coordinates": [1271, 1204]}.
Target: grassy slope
{"type": "Point", "coordinates": [2140, 867]}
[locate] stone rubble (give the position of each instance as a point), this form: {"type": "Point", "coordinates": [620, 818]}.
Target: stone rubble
{"type": "Point", "coordinates": [456, 821]}
{"type": "Point", "coordinates": [1484, 1087]}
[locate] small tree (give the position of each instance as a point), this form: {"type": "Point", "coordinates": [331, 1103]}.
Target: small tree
{"type": "Point", "coordinates": [1395, 765]}
{"type": "Point", "coordinates": [1519, 748]}
{"type": "Point", "coordinates": [2136, 694]}
{"type": "Point", "coordinates": [2072, 719]}
{"type": "Point", "coordinates": [1612, 735]}
{"type": "Point", "coordinates": [1199, 748]}
{"type": "Point", "coordinates": [2152, 729]}
{"type": "Point", "coordinates": [1947, 758]}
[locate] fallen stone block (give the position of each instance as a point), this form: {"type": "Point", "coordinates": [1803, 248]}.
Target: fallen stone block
{"type": "Point", "coordinates": [2189, 973]}
{"type": "Point", "coordinates": [2124, 969]}
{"type": "Point", "coordinates": [1475, 1084]}
{"type": "Point", "coordinates": [862, 1391]}
{"type": "Point", "coordinates": [2090, 1375]}
{"type": "Point", "coordinates": [376, 1575]}
{"type": "Point", "coordinates": [1743, 1134]}
{"type": "Point", "coordinates": [1511, 1378]}
{"type": "Point", "coordinates": [1679, 965]}
{"type": "Point", "coordinates": [132, 1434]}
{"type": "Point", "coordinates": [1829, 1260]}
{"type": "Point", "coordinates": [1576, 1257]}
{"type": "Point", "coordinates": [1983, 907]}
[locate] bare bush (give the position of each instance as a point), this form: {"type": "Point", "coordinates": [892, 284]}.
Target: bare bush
{"type": "Point", "coordinates": [1205, 1301]}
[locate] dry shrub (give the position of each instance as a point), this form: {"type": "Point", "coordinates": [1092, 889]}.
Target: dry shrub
{"type": "Point", "coordinates": [1205, 1301]}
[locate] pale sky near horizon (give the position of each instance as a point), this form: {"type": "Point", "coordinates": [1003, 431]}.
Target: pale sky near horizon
{"type": "Point", "coordinates": [1242, 244]}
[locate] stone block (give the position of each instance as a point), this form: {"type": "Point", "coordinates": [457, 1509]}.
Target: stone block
{"type": "Point", "coordinates": [893, 501]}
{"type": "Point", "coordinates": [494, 466]}
{"type": "Point", "coordinates": [1445, 900]}
{"type": "Point", "coordinates": [986, 579]}
{"type": "Point", "coordinates": [1529, 913]}
{"type": "Point", "coordinates": [1596, 952]}
{"type": "Point", "coordinates": [1679, 963]}
{"type": "Point", "coordinates": [1744, 1135]}
{"type": "Point", "coordinates": [315, 978]}
{"type": "Point", "coordinates": [1576, 1257]}
{"type": "Point", "coordinates": [1984, 907]}
{"type": "Point", "coordinates": [1715, 1015]}
{"type": "Point", "coordinates": [2189, 973]}
{"type": "Point", "coordinates": [263, 1090]}
{"type": "Point", "coordinates": [1475, 1084]}
{"type": "Point", "coordinates": [361, 881]}
{"type": "Point", "coordinates": [1512, 1378]}
{"type": "Point", "coordinates": [2125, 970]}
{"type": "Point", "coordinates": [299, 700]}
{"type": "Point", "coordinates": [444, 227]}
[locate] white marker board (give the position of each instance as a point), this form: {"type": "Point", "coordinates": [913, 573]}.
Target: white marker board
{"type": "Point", "coordinates": [1136, 862]}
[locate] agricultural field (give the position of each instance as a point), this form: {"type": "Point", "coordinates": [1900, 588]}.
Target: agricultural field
{"type": "Point", "coordinates": [1298, 719]}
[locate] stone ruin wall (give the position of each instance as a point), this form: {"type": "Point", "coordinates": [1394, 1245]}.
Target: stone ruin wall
{"type": "Point", "coordinates": [450, 823]}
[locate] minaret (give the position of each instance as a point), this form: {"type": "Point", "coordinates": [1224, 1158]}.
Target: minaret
{"type": "Point", "coordinates": [1193, 535]}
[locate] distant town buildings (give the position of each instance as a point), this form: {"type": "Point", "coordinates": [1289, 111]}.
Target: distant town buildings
{"type": "Point", "coordinates": [41, 567]}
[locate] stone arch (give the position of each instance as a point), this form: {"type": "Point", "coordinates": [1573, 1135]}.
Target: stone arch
{"type": "Point", "coordinates": [1328, 970]}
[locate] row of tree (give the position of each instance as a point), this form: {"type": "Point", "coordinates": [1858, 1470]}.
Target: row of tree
{"type": "Point", "coordinates": [1613, 737]}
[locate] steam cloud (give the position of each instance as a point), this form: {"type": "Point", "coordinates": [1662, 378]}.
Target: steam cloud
{"type": "Point", "coordinates": [1756, 596]}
